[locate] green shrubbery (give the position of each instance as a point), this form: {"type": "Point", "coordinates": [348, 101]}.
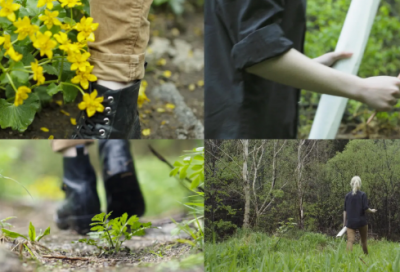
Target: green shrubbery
{"type": "Point", "coordinates": [382, 55]}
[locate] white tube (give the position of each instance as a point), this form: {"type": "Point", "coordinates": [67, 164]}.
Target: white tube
{"type": "Point", "coordinates": [354, 37]}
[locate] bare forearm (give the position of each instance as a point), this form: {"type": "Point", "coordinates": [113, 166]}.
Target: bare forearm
{"type": "Point", "coordinates": [344, 218]}
{"type": "Point", "coordinates": [296, 70]}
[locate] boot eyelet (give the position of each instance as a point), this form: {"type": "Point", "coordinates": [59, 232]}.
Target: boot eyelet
{"type": "Point", "coordinates": [106, 121]}
{"type": "Point", "coordinates": [102, 132]}
{"type": "Point", "coordinates": [110, 99]}
{"type": "Point", "coordinates": [108, 110]}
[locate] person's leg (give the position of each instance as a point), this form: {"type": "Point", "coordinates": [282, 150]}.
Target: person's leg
{"type": "Point", "coordinates": [117, 55]}
{"type": "Point", "coordinates": [120, 180]}
{"type": "Point", "coordinates": [364, 237]}
{"type": "Point", "coordinates": [79, 184]}
{"type": "Point", "coordinates": [64, 145]}
{"type": "Point", "coordinates": [351, 234]}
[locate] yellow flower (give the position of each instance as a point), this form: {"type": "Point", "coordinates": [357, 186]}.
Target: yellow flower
{"type": "Point", "coordinates": [44, 129]}
{"type": "Point", "coordinates": [21, 95]}
{"type": "Point", "coordinates": [146, 132]}
{"type": "Point", "coordinates": [86, 28]}
{"type": "Point", "coordinates": [50, 18]}
{"type": "Point", "coordinates": [24, 28]}
{"type": "Point", "coordinates": [79, 61]}
{"type": "Point", "coordinates": [142, 98]}
{"type": "Point", "coordinates": [66, 27]}
{"type": "Point", "coordinates": [91, 103]}
{"type": "Point", "coordinates": [83, 78]}
{"type": "Point", "coordinates": [44, 43]}
{"type": "Point", "coordinates": [167, 74]}
{"type": "Point", "coordinates": [15, 56]}
{"type": "Point", "coordinates": [6, 39]}
{"type": "Point", "coordinates": [37, 72]}
{"type": "Point", "coordinates": [51, 137]}
{"type": "Point", "coordinates": [8, 8]}
{"type": "Point", "coordinates": [48, 3]}
{"type": "Point", "coordinates": [73, 121]}
{"type": "Point", "coordinates": [70, 3]}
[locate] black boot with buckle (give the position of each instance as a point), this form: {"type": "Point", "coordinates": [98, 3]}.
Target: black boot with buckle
{"type": "Point", "coordinates": [120, 181]}
{"type": "Point", "coordinates": [81, 200]}
{"type": "Point", "coordinates": [120, 119]}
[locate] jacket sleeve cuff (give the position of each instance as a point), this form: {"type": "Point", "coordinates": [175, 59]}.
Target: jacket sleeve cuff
{"type": "Point", "coordinates": [263, 44]}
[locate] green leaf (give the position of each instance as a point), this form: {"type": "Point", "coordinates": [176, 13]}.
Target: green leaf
{"type": "Point", "coordinates": [18, 118]}
{"type": "Point", "coordinates": [32, 232]}
{"type": "Point", "coordinates": [44, 97]}
{"type": "Point", "coordinates": [197, 167]}
{"type": "Point", "coordinates": [199, 158]}
{"type": "Point", "coordinates": [46, 232]}
{"type": "Point", "coordinates": [21, 77]}
{"type": "Point", "coordinates": [12, 234]}
{"type": "Point", "coordinates": [195, 182]}
{"type": "Point", "coordinates": [177, 164]}
{"type": "Point", "coordinates": [98, 217]}
{"type": "Point", "coordinates": [51, 70]}
{"type": "Point", "coordinates": [183, 172]}
{"type": "Point", "coordinates": [174, 172]}
{"type": "Point", "coordinates": [52, 89]}
{"type": "Point", "coordinates": [69, 92]}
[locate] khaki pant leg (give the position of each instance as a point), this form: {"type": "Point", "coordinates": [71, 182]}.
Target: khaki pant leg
{"type": "Point", "coordinates": [121, 39]}
{"type": "Point", "coordinates": [351, 236]}
{"type": "Point", "coordinates": [364, 237]}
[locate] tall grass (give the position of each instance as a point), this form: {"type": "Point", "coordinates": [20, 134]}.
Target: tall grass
{"type": "Point", "coordinates": [311, 252]}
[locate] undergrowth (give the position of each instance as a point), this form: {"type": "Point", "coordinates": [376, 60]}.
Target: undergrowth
{"type": "Point", "coordinates": [254, 251]}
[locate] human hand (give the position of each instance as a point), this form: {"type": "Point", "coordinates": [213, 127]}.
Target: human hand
{"type": "Point", "coordinates": [331, 58]}
{"type": "Point", "coordinates": [380, 92]}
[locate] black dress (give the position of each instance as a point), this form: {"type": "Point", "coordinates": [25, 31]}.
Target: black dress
{"type": "Point", "coordinates": [239, 34]}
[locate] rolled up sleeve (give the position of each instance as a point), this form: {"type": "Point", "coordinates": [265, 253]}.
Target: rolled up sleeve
{"type": "Point", "coordinates": [365, 202]}
{"type": "Point", "coordinates": [254, 29]}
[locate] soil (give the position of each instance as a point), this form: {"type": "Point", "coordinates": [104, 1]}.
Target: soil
{"type": "Point", "coordinates": [164, 125]}
{"type": "Point", "coordinates": [158, 250]}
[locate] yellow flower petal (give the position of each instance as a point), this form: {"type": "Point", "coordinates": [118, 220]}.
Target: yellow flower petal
{"type": "Point", "coordinates": [146, 132]}
{"type": "Point", "coordinates": [44, 129]}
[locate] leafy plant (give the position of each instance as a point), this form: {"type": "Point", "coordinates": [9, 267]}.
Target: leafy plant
{"type": "Point", "coordinates": [30, 242]}
{"type": "Point", "coordinates": [5, 225]}
{"type": "Point", "coordinates": [43, 51]}
{"type": "Point", "coordinates": [192, 166]}
{"type": "Point", "coordinates": [109, 235]}
{"type": "Point", "coordinates": [176, 5]}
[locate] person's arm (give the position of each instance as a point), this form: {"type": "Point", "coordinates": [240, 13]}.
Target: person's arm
{"type": "Point", "coordinates": [295, 69]}
{"type": "Point", "coordinates": [371, 210]}
{"type": "Point", "coordinates": [344, 218]}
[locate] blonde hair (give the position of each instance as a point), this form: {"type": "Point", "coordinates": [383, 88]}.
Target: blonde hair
{"type": "Point", "coordinates": [355, 184]}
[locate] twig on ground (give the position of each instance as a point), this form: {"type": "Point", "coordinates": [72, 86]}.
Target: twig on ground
{"type": "Point", "coordinates": [66, 258]}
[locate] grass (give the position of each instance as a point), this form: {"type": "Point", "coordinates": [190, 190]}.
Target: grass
{"type": "Point", "coordinates": [253, 251]}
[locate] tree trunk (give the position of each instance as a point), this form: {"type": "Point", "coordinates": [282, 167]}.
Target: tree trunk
{"type": "Point", "coordinates": [246, 185]}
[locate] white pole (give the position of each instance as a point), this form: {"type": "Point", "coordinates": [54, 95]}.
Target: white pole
{"type": "Point", "coordinates": [354, 37]}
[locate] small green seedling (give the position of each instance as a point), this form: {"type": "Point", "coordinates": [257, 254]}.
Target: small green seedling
{"type": "Point", "coordinates": [109, 235]}
{"type": "Point", "coordinates": [31, 243]}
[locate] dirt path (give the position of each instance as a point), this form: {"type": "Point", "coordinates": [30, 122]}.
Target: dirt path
{"type": "Point", "coordinates": [156, 251]}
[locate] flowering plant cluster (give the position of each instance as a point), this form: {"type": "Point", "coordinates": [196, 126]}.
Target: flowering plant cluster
{"type": "Point", "coordinates": [43, 51]}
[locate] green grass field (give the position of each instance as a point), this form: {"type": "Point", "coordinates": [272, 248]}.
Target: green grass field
{"type": "Point", "coordinates": [311, 252]}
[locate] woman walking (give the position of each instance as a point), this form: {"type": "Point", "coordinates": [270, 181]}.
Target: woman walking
{"type": "Point", "coordinates": [355, 207]}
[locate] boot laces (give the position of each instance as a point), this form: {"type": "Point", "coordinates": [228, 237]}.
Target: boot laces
{"type": "Point", "coordinates": [87, 126]}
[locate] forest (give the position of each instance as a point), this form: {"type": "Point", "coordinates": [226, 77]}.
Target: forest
{"type": "Point", "coordinates": [269, 185]}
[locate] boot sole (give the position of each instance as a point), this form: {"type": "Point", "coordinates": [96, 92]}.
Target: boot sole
{"type": "Point", "coordinates": [80, 224]}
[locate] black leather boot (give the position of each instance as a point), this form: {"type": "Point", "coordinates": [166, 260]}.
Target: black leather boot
{"type": "Point", "coordinates": [120, 181]}
{"type": "Point", "coordinates": [120, 119]}
{"type": "Point", "coordinates": [81, 202]}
